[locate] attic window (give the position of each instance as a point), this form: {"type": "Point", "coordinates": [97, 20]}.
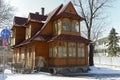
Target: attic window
{"type": "Point", "coordinates": [66, 24]}
{"type": "Point", "coordinates": [75, 26]}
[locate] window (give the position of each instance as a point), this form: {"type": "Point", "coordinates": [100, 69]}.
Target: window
{"type": "Point", "coordinates": [30, 53]}
{"type": "Point", "coordinates": [62, 52]}
{"type": "Point", "coordinates": [66, 24]}
{"type": "Point", "coordinates": [28, 31]}
{"type": "Point", "coordinates": [81, 52]}
{"type": "Point", "coordinates": [72, 49]}
{"type": "Point", "coordinates": [22, 55]}
{"type": "Point", "coordinates": [13, 37]}
{"type": "Point", "coordinates": [59, 23]}
{"type": "Point", "coordinates": [55, 26]}
{"type": "Point", "coordinates": [17, 55]}
{"type": "Point", "coordinates": [75, 26]}
{"type": "Point", "coordinates": [52, 50]}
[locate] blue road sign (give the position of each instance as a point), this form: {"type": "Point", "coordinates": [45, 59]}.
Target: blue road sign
{"type": "Point", "coordinates": [5, 33]}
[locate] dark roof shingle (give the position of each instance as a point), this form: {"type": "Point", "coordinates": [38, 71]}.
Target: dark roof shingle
{"type": "Point", "coordinates": [37, 17]}
{"type": "Point", "coordinates": [19, 21]}
{"type": "Point", "coordinates": [73, 38]}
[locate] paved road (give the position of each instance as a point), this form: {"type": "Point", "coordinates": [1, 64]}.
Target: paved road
{"type": "Point", "coordinates": [94, 76]}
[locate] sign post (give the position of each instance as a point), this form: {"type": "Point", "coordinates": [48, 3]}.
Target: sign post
{"type": "Point", "coordinates": [5, 33]}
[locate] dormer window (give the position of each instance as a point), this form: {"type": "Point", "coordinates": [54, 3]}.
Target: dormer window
{"type": "Point", "coordinates": [75, 26]}
{"type": "Point", "coordinates": [13, 37]}
{"type": "Point", "coordinates": [28, 31]}
{"type": "Point", "coordinates": [66, 24]}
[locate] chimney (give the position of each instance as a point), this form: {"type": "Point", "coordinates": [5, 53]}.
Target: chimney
{"type": "Point", "coordinates": [42, 10]}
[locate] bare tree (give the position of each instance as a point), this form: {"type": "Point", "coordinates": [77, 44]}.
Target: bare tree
{"type": "Point", "coordinates": [92, 12]}
{"type": "Point", "coordinates": [6, 14]}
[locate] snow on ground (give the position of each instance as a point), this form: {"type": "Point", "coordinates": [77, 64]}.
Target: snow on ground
{"type": "Point", "coordinates": [104, 70]}
{"type": "Point", "coordinates": [46, 76]}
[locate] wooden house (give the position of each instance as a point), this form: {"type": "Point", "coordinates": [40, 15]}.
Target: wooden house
{"type": "Point", "coordinates": [53, 38]}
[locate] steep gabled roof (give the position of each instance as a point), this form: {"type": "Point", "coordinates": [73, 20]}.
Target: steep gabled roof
{"type": "Point", "coordinates": [50, 16]}
{"type": "Point", "coordinates": [69, 12]}
{"type": "Point", "coordinates": [63, 9]}
{"type": "Point", "coordinates": [19, 21]}
{"type": "Point", "coordinates": [71, 15]}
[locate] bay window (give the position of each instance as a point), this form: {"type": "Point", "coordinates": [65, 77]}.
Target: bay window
{"type": "Point", "coordinates": [66, 24]}
{"type": "Point", "coordinates": [28, 31]}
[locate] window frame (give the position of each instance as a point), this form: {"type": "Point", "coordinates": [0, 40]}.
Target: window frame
{"type": "Point", "coordinates": [81, 49]}
{"type": "Point", "coordinates": [55, 26]}
{"type": "Point", "coordinates": [75, 24]}
{"type": "Point", "coordinates": [63, 52]}
{"type": "Point", "coordinates": [72, 47]}
{"type": "Point", "coordinates": [53, 47]}
{"type": "Point", "coordinates": [67, 26]}
{"type": "Point", "coordinates": [28, 31]}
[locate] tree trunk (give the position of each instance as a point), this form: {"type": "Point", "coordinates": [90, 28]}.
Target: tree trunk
{"type": "Point", "coordinates": [91, 50]}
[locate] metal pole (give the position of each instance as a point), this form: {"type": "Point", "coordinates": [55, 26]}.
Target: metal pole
{"type": "Point", "coordinates": [3, 64]}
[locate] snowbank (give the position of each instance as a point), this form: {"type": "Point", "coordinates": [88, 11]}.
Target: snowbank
{"type": "Point", "coordinates": [46, 76]}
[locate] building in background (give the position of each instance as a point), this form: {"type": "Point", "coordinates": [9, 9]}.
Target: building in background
{"type": "Point", "coordinates": [101, 47]}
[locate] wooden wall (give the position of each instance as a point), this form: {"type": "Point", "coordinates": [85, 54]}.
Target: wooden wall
{"type": "Point", "coordinates": [42, 50]}
{"type": "Point", "coordinates": [20, 34]}
{"type": "Point", "coordinates": [35, 27]}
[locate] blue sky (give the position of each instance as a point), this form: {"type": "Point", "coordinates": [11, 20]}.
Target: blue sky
{"type": "Point", "coordinates": [23, 7]}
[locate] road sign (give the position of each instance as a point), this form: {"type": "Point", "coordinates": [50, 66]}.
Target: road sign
{"type": "Point", "coordinates": [5, 33]}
